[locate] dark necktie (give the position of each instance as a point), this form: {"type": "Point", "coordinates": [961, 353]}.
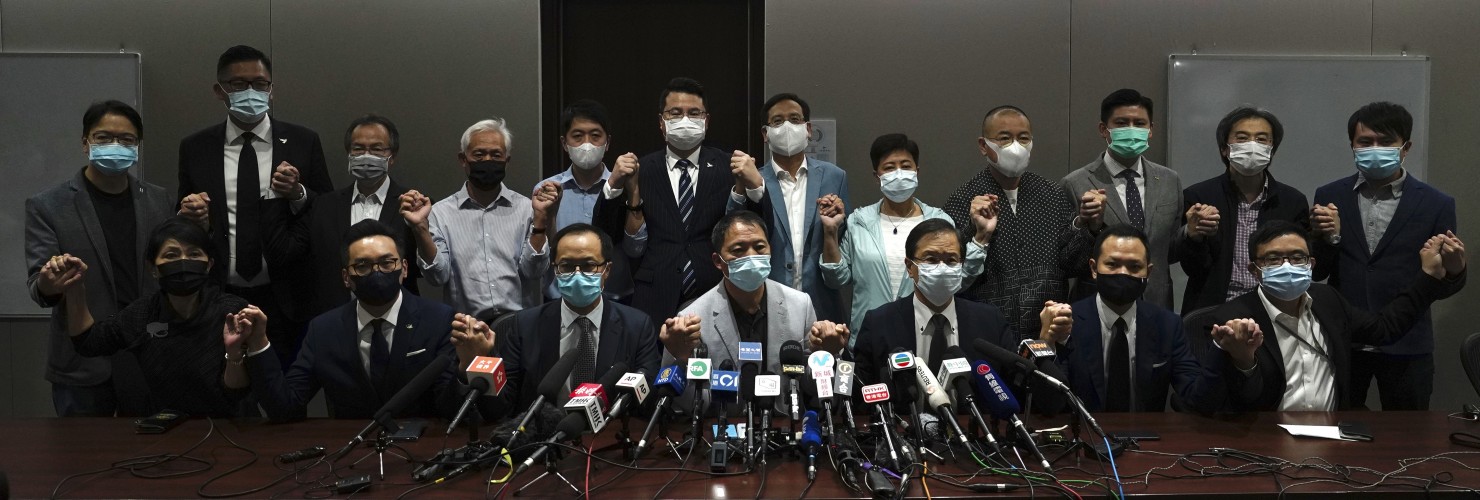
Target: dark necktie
{"type": "Point", "coordinates": [1133, 206]}
{"type": "Point", "coordinates": [248, 212]}
{"type": "Point", "coordinates": [585, 370]}
{"type": "Point", "coordinates": [685, 213]}
{"type": "Point", "coordinates": [1118, 370]}
{"type": "Point", "coordinates": [937, 350]}
{"type": "Point", "coordinates": [380, 354]}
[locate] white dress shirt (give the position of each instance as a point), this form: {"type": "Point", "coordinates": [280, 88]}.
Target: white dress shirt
{"type": "Point", "coordinates": [1107, 333]}
{"type": "Point", "coordinates": [570, 334]}
{"type": "Point", "coordinates": [922, 327]}
{"type": "Point", "coordinates": [1116, 168]}
{"type": "Point", "coordinates": [362, 324]}
{"type": "Point", "coordinates": [1309, 381]}
{"type": "Point", "coordinates": [1012, 197]}
{"type": "Point", "coordinates": [368, 206]}
{"type": "Point", "coordinates": [671, 159]}
{"type": "Point", "coordinates": [794, 193]}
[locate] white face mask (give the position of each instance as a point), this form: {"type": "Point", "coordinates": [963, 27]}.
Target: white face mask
{"type": "Point", "coordinates": [899, 185]}
{"type": "Point", "coordinates": [1012, 160]}
{"type": "Point", "coordinates": [937, 282]}
{"type": "Point", "coordinates": [586, 156]}
{"type": "Point", "coordinates": [1249, 158]}
{"type": "Point", "coordinates": [787, 139]}
{"type": "Point", "coordinates": [684, 133]}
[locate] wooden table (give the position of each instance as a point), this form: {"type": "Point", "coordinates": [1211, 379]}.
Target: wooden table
{"type": "Point", "coordinates": [41, 452]}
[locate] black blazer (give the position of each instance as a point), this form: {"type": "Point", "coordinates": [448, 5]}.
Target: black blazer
{"type": "Point", "coordinates": [318, 233]}
{"type": "Point", "coordinates": [892, 325]}
{"type": "Point", "coordinates": [202, 169]}
{"type": "Point", "coordinates": [1163, 359]}
{"type": "Point", "coordinates": [531, 345]}
{"type": "Point", "coordinates": [658, 274]}
{"type": "Point", "coordinates": [330, 359]}
{"type": "Point", "coordinates": [1341, 324]}
{"type": "Point", "coordinates": [1209, 263]}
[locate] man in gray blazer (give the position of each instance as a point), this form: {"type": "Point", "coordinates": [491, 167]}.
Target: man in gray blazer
{"type": "Point", "coordinates": [70, 219]}
{"type": "Point", "coordinates": [746, 306]}
{"type": "Point", "coordinates": [1122, 187]}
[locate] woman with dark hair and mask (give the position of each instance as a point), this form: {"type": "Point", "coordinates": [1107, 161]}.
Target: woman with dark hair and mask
{"type": "Point", "coordinates": [189, 366]}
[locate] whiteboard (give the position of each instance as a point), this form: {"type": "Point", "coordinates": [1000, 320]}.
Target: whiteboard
{"type": "Point", "coordinates": [42, 99]}
{"type": "Point", "coordinates": [1313, 97]}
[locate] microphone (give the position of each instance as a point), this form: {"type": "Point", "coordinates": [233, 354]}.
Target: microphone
{"type": "Point", "coordinates": [570, 426]}
{"type": "Point", "coordinates": [1003, 356]}
{"type": "Point", "coordinates": [1003, 405]}
{"type": "Point", "coordinates": [937, 399]}
{"type": "Point", "coordinates": [668, 385]}
{"type": "Point", "coordinates": [793, 365]}
{"type": "Point", "coordinates": [811, 440]}
{"type": "Point", "coordinates": [877, 395]}
{"type": "Point", "coordinates": [767, 388]}
{"type": "Point", "coordinates": [724, 389]}
{"type": "Point", "coordinates": [698, 372]}
{"type": "Point", "coordinates": [1040, 353]}
{"type": "Point", "coordinates": [403, 398]}
{"type": "Point", "coordinates": [590, 400]}
{"type": "Point", "coordinates": [955, 375]}
{"type": "Point", "coordinates": [747, 398]}
{"type": "Point", "coordinates": [549, 389]}
{"type": "Point", "coordinates": [633, 387]}
{"type": "Point", "coordinates": [844, 390]}
{"type": "Point", "coordinates": [484, 373]}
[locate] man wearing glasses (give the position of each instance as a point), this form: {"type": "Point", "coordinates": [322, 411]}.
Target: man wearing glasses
{"type": "Point", "coordinates": [232, 171]}
{"type": "Point", "coordinates": [682, 192]}
{"type": "Point", "coordinates": [371, 143]}
{"type": "Point", "coordinates": [600, 331]}
{"type": "Point", "coordinates": [1308, 366]}
{"type": "Point", "coordinates": [397, 334]}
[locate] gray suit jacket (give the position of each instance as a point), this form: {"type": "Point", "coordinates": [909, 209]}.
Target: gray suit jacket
{"type": "Point", "coordinates": [789, 315]}
{"type": "Point", "coordinates": [1162, 203]}
{"type": "Point", "coordinates": [62, 220]}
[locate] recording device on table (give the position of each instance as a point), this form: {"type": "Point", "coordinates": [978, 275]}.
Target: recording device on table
{"type": "Point", "coordinates": [159, 422]}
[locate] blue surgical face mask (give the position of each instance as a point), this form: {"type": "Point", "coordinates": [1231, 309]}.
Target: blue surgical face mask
{"type": "Point", "coordinates": [899, 185]}
{"type": "Point", "coordinates": [1377, 163]}
{"type": "Point", "coordinates": [112, 158]}
{"type": "Point", "coordinates": [578, 288]}
{"type": "Point", "coordinates": [248, 105]}
{"type": "Point", "coordinates": [937, 282]}
{"type": "Point", "coordinates": [1129, 142]}
{"type": "Point", "coordinates": [1285, 281]}
{"type": "Point", "coordinates": [750, 272]}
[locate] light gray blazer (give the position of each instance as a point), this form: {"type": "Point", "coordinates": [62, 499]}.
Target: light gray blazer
{"type": "Point", "coordinates": [1162, 202]}
{"type": "Point", "coordinates": [789, 316]}
{"type": "Point", "coordinates": [62, 220]}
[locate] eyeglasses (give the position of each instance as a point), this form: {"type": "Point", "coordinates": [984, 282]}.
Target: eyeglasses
{"type": "Point", "coordinates": [380, 151]}
{"type": "Point", "coordinates": [675, 113]}
{"type": "Point", "coordinates": [933, 261]}
{"type": "Point", "coordinates": [566, 268]}
{"type": "Point", "coordinates": [385, 265]}
{"type": "Point", "coordinates": [795, 120]}
{"type": "Point", "coordinates": [1298, 259]}
{"type": "Point", "coordinates": [106, 138]}
{"type": "Point", "coordinates": [259, 84]}
{"type": "Point", "coordinates": [484, 154]}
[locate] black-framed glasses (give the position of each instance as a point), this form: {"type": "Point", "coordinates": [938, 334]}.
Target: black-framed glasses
{"type": "Point", "coordinates": [385, 265]}
{"type": "Point", "coordinates": [675, 113]}
{"type": "Point", "coordinates": [107, 138]}
{"type": "Point", "coordinates": [260, 84]}
{"type": "Point", "coordinates": [1298, 259]}
{"type": "Point", "coordinates": [583, 267]}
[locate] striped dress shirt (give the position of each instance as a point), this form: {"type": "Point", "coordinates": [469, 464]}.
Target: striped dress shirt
{"type": "Point", "coordinates": [484, 263]}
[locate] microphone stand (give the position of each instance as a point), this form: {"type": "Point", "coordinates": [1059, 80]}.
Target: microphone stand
{"type": "Point", "coordinates": [551, 469]}
{"type": "Point", "coordinates": [750, 435]}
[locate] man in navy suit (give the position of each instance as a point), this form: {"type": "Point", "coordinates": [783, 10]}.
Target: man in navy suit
{"type": "Point", "coordinates": [680, 192]}
{"type": "Point", "coordinates": [282, 160]}
{"type": "Point", "coordinates": [601, 331]}
{"type": "Point", "coordinates": [371, 144]}
{"type": "Point", "coordinates": [794, 183]}
{"type": "Point", "coordinates": [1123, 352]}
{"type": "Point", "coordinates": [931, 320]}
{"type": "Point", "coordinates": [363, 352]}
{"type": "Point", "coordinates": [1389, 216]}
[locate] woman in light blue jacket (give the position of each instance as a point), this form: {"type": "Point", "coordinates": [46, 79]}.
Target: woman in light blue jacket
{"type": "Point", "coordinates": [869, 254]}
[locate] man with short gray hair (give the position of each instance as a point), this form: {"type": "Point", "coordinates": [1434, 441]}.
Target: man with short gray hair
{"type": "Point", "coordinates": [495, 236]}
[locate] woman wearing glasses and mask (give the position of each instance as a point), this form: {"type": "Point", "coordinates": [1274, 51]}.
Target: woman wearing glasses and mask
{"type": "Point", "coordinates": [182, 335]}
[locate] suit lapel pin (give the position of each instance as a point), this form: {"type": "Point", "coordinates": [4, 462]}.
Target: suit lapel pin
{"type": "Point", "coordinates": [408, 326]}
{"type": "Point", "coordinates": [708, 165]}
{"type": "Point", "coordinates": [283, 140]}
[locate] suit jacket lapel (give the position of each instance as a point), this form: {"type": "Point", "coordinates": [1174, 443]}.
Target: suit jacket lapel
{"type": "Point", "coordinates": [776, 313]}
{"type": "Point", "coordinates": [1348, 204]}
{"type": "Point", "coordinates": [1089, 344]}
{"type": "Point", "coordinates": [809, 207]}
{"type": "Point", "coordinates": [778, 207]}
{"type": "Point", "coordinates": [610, 337]}
{"type": "Point", "coordinates": [339, 212]}
{"type": "Point", "coordinates": [88, 214]}
{"type": "Point", "coordinates": [1145, 348]}
{"type": "Point", "coordinates": [710, 182]}
{"type": "Point", "coordinates": [1413, 195]}
{"type": "Point", "coordinates": [144, 222]}
{"type": "Point", "coordinates": [657, 181]}
{"type": "Point", "coordinates": [390, 209]}
{"type": "Point", "coordinates": [404, 338]}
{"type": "Point", "coordinates": [280, 145]}
{"type": "Point", "coordinates": [350, 344]}
{"type": "Point", "coordinates": [1100, 178]}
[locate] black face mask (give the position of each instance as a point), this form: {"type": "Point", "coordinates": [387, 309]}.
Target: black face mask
{"type": "Point", "coordinates": [377, 288]}
{"type": "Point", "coordinates": [182, 277]}
{"type": "Point", "coordinates": [1119, 289]}
{"type": "Point", "coordinates": [486, 174]}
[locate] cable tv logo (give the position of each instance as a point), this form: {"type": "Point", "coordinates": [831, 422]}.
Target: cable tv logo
{"type": "Point", "coordinates": [902, 360]}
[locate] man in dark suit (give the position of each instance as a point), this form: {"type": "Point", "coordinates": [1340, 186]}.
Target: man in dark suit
{"type": "Point", "coordinates": [363, 352]}
{"type": "Point", "coordinates": [284, 161]}
{"type": "Point", "coordinates": [931, 320]}
{"type": "Point", "coordinates": [371, 143]}
{"type": "Point", "coordinates": [682, 192]}
{"type": "Point", "coordinates": [1212, 249]}
{"type": "Point", "coordinates": [69, 219]}
{"type": "Point", "coordinates": [601, 331]}
{"type": "Point", "coordinates": [1124, 352]}
{"type": "Point", "coordinates": [1391, 213]}
{"type": "Point", "coordinates": [1313, 326]}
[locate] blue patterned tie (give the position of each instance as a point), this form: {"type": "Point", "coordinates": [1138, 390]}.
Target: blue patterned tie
{"type": "Point", "coordinates": [685, 210]}
{"type": "Point", "coordinates": [1133, 199]}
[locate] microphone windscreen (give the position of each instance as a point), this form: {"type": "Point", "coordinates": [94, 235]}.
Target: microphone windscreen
{"type": "Point", "coordinates": [539, 428]}
{"type": "Point", "coordinates": [792, 353]}
{"type": "Point", "coordinates": [1047, 399]}
{"type": "Point", "coordinates": [993, 393]}
{"type": "Point", "coordinates": [554, 381]}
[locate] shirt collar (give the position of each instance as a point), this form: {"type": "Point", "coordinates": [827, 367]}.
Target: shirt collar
{"type": "Point", "coordinates": [801, 171]}
{"type": "Point", "coordinates": [379, 194]}
{"type": "Point", "coordinates": [464, 201]}
{"type": "Point", "coordinates": [672, 158]}
{"type": "Point", "coordinates": [568, 316]}
{"type": "Point", "coordinates": [263, 131]}
{"type": "Point", "coordinates": [363, 317]}
{"type": "Point", "coordinates": [1116, 168]}
{"type": "Point", "coordinates": [567, 179]}
{"type": "Point", "coordinates": [923, 313]}
{"type": "Point", "coordinates": [1396, 185]}
{"type": "Point", "coordinates": [1275, 312]}
{"type": "Point", "coordinates": [1108, 316]}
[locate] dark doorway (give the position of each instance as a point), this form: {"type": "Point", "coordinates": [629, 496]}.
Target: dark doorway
{"type": "Point", "coordinates": [622, 53]}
